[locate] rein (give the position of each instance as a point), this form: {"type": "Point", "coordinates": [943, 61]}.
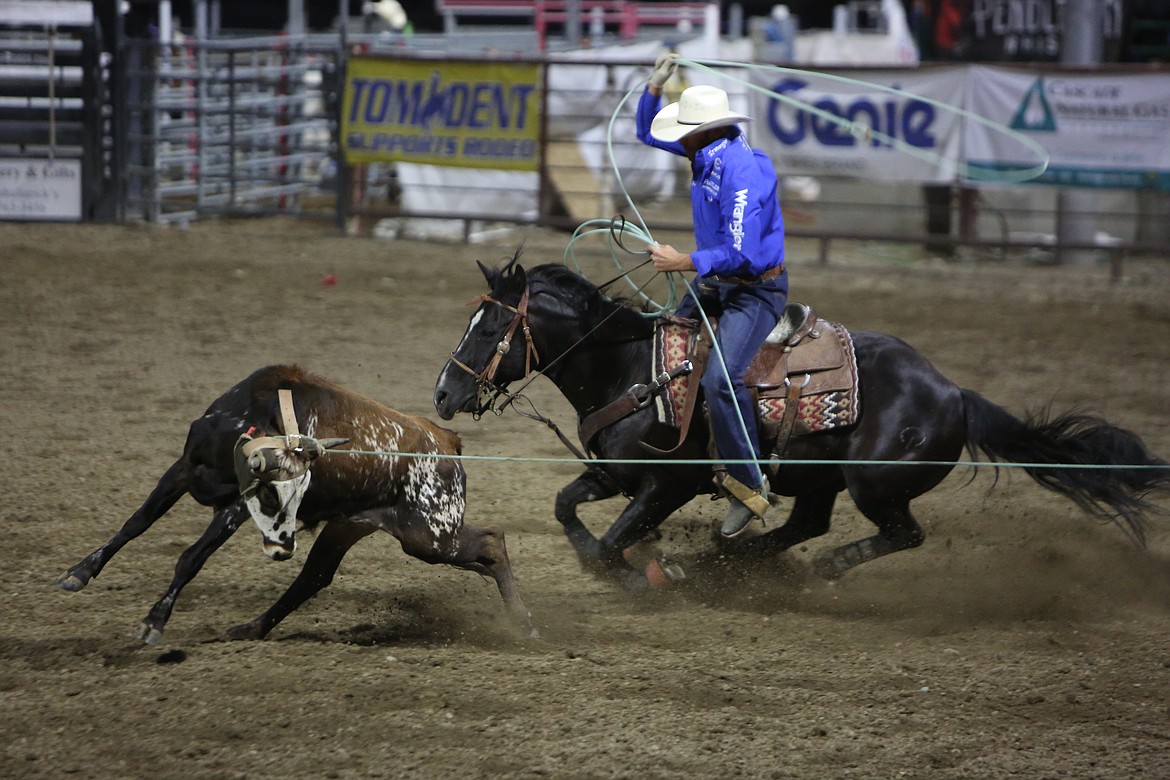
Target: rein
{"type": "Point", "coordinates": [489, 391]}
{"type": "Point", "coordinates": [484, 379]}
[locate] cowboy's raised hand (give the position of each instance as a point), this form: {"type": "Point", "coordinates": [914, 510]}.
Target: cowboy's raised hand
{"type": "Point", "coordinates": [664, 68]}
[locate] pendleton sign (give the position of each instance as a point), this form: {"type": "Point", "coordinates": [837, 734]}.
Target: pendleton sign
{"type": "Point", "coordinates": [470, 115]}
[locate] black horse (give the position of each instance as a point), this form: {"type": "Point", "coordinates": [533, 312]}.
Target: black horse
{"type": "Point", "coordinates": [552, 320]}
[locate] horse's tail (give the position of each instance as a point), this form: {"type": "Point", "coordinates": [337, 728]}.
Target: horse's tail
{"type": "Point", "coordinates": [1120, 471]}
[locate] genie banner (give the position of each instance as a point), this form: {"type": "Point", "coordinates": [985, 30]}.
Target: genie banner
{"type": "Point", "coordinates": [836, 128]}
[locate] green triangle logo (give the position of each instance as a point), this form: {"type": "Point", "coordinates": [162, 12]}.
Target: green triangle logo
{"type": "Point", "coordinates": [1034, 113]}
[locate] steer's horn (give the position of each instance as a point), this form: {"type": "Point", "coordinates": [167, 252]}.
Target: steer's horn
{"type": "Point", "coordinates": [311, 449]}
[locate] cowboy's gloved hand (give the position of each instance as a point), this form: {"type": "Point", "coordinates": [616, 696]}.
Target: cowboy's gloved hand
{"type": "Point", "coordinates": [664, 68]}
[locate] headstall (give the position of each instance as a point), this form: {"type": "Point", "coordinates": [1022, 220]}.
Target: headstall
{"type": "Point", "coordinates": [488, 390]}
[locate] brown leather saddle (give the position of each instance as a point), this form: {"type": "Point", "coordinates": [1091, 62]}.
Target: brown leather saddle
{"type": "Point", "coordinates": [804, 379]}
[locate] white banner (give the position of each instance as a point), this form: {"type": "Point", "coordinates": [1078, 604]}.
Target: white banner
{"type": "Point", "coordinates": [807, 140]}
{"type": "Point", "coordinates": [38, 189]}
{"type": "Point", "coordinates": [1101, 130]}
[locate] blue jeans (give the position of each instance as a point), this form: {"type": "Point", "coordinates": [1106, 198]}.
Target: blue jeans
{"type": "Point", "coordinates": [747, 314]}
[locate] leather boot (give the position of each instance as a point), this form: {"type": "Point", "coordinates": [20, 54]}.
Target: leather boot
{"type": "Point", "coordinates": [738, 518]}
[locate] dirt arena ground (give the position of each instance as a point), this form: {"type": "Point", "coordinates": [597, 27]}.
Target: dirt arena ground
{"type": "Point", "coordinates": [1023, 640]}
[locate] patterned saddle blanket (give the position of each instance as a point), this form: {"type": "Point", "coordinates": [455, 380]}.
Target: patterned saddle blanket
{"type": "Point", "coordinates": [816, 355]}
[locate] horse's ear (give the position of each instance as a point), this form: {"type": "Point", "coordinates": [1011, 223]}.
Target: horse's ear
{"type": "Point", "coordinates": [513, 274]}
{"type": "Point", "coordinates": [488, 273]}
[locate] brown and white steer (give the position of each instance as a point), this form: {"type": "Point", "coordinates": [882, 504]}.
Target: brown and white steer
{"type": "Point", "coordinates": [419, 500]}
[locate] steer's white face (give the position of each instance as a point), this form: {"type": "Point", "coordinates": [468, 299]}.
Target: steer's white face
{"type": "Point", "coordinates": [273, 506]}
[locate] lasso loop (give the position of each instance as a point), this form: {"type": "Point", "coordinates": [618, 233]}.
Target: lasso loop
{"type": "Point", "coordinates": [641, 232]}
{"type": "Point", "coordinates": [859, 130]}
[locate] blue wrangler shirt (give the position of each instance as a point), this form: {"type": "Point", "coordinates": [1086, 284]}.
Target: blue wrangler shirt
{"type": "Point", "coordinates": [739, 230]}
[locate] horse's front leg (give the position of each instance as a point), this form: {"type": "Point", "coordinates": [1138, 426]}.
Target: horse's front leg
{"type": "Point", "coordinates": [590, 486]}
{"type": "Point", "coordinates": [656, 499]}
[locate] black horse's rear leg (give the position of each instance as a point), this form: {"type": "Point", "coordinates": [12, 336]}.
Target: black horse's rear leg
{"type": "Point", "coordinates": [331, 545]}
{"type": "Point", "coordinates": [170, 488]}
{"type": "Point", "coordinates": [810, 517]}
{"type": "Point", "coordinates": [225, 523]}
{"type": "Point", "coordinates": [897, 530]}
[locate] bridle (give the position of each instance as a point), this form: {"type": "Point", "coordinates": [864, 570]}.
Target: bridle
{"type": "Point", "coordinates": [489, 391]}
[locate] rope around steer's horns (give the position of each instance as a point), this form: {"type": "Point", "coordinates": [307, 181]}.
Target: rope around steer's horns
{"type": "Point", "coordinates": [278, 458]}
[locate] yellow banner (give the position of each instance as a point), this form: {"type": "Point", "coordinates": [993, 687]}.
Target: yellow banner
{"type": "Point", "coordinates": [469, 115]}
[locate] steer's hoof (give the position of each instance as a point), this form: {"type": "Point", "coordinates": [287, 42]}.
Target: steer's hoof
{"type": "Point", "coordinates": [71, 582]}
{"type": "Point", "coordinates": [148, 633]}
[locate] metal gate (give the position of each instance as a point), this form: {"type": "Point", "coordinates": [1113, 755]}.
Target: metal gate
{"type": "Point", "coordinates": [56, 119]}
{"type": "Point", "coordinates": [225, 126]}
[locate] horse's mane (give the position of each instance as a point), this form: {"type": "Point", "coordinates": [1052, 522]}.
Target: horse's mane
{"type": "Point", "coordinates": [622, 319]}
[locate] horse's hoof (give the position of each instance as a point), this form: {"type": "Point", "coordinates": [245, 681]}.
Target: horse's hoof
{"type": "Point", "coordinates": [148, 634]}
{"type": "Point", "coordinates": [71, 582]}
{"type": "Point", "coordinates": [661, 575]}
{"type": "Point", "coordinates": [829, 568]}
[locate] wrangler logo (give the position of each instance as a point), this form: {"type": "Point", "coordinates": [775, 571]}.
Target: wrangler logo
{"type": "Point", "coordinates": [737, 219]}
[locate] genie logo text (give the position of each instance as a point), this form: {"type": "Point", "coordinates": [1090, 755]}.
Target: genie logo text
{"type": "Point", "coordinates": [907, 120]}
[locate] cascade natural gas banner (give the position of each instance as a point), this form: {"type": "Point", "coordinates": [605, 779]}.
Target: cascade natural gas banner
{"type": "Point", "coordinates": [477, 115]}
{"type": "Point", "coordinates": [1100, 129]}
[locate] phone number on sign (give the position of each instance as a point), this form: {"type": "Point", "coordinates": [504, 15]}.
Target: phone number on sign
{"type": "Point", "coordinates": [22, 207]}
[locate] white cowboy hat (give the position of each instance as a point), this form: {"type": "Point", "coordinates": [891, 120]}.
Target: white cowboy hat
{"type": "Point", "coordinates": [698, 108]}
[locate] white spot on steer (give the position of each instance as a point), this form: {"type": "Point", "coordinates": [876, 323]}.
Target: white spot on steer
{"type": "Point", "coordinates": [437, 497]}
{"type": "Point", "coordinates": [278, 528]}
{"type": "Point", "coordinates": [377, 435]}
